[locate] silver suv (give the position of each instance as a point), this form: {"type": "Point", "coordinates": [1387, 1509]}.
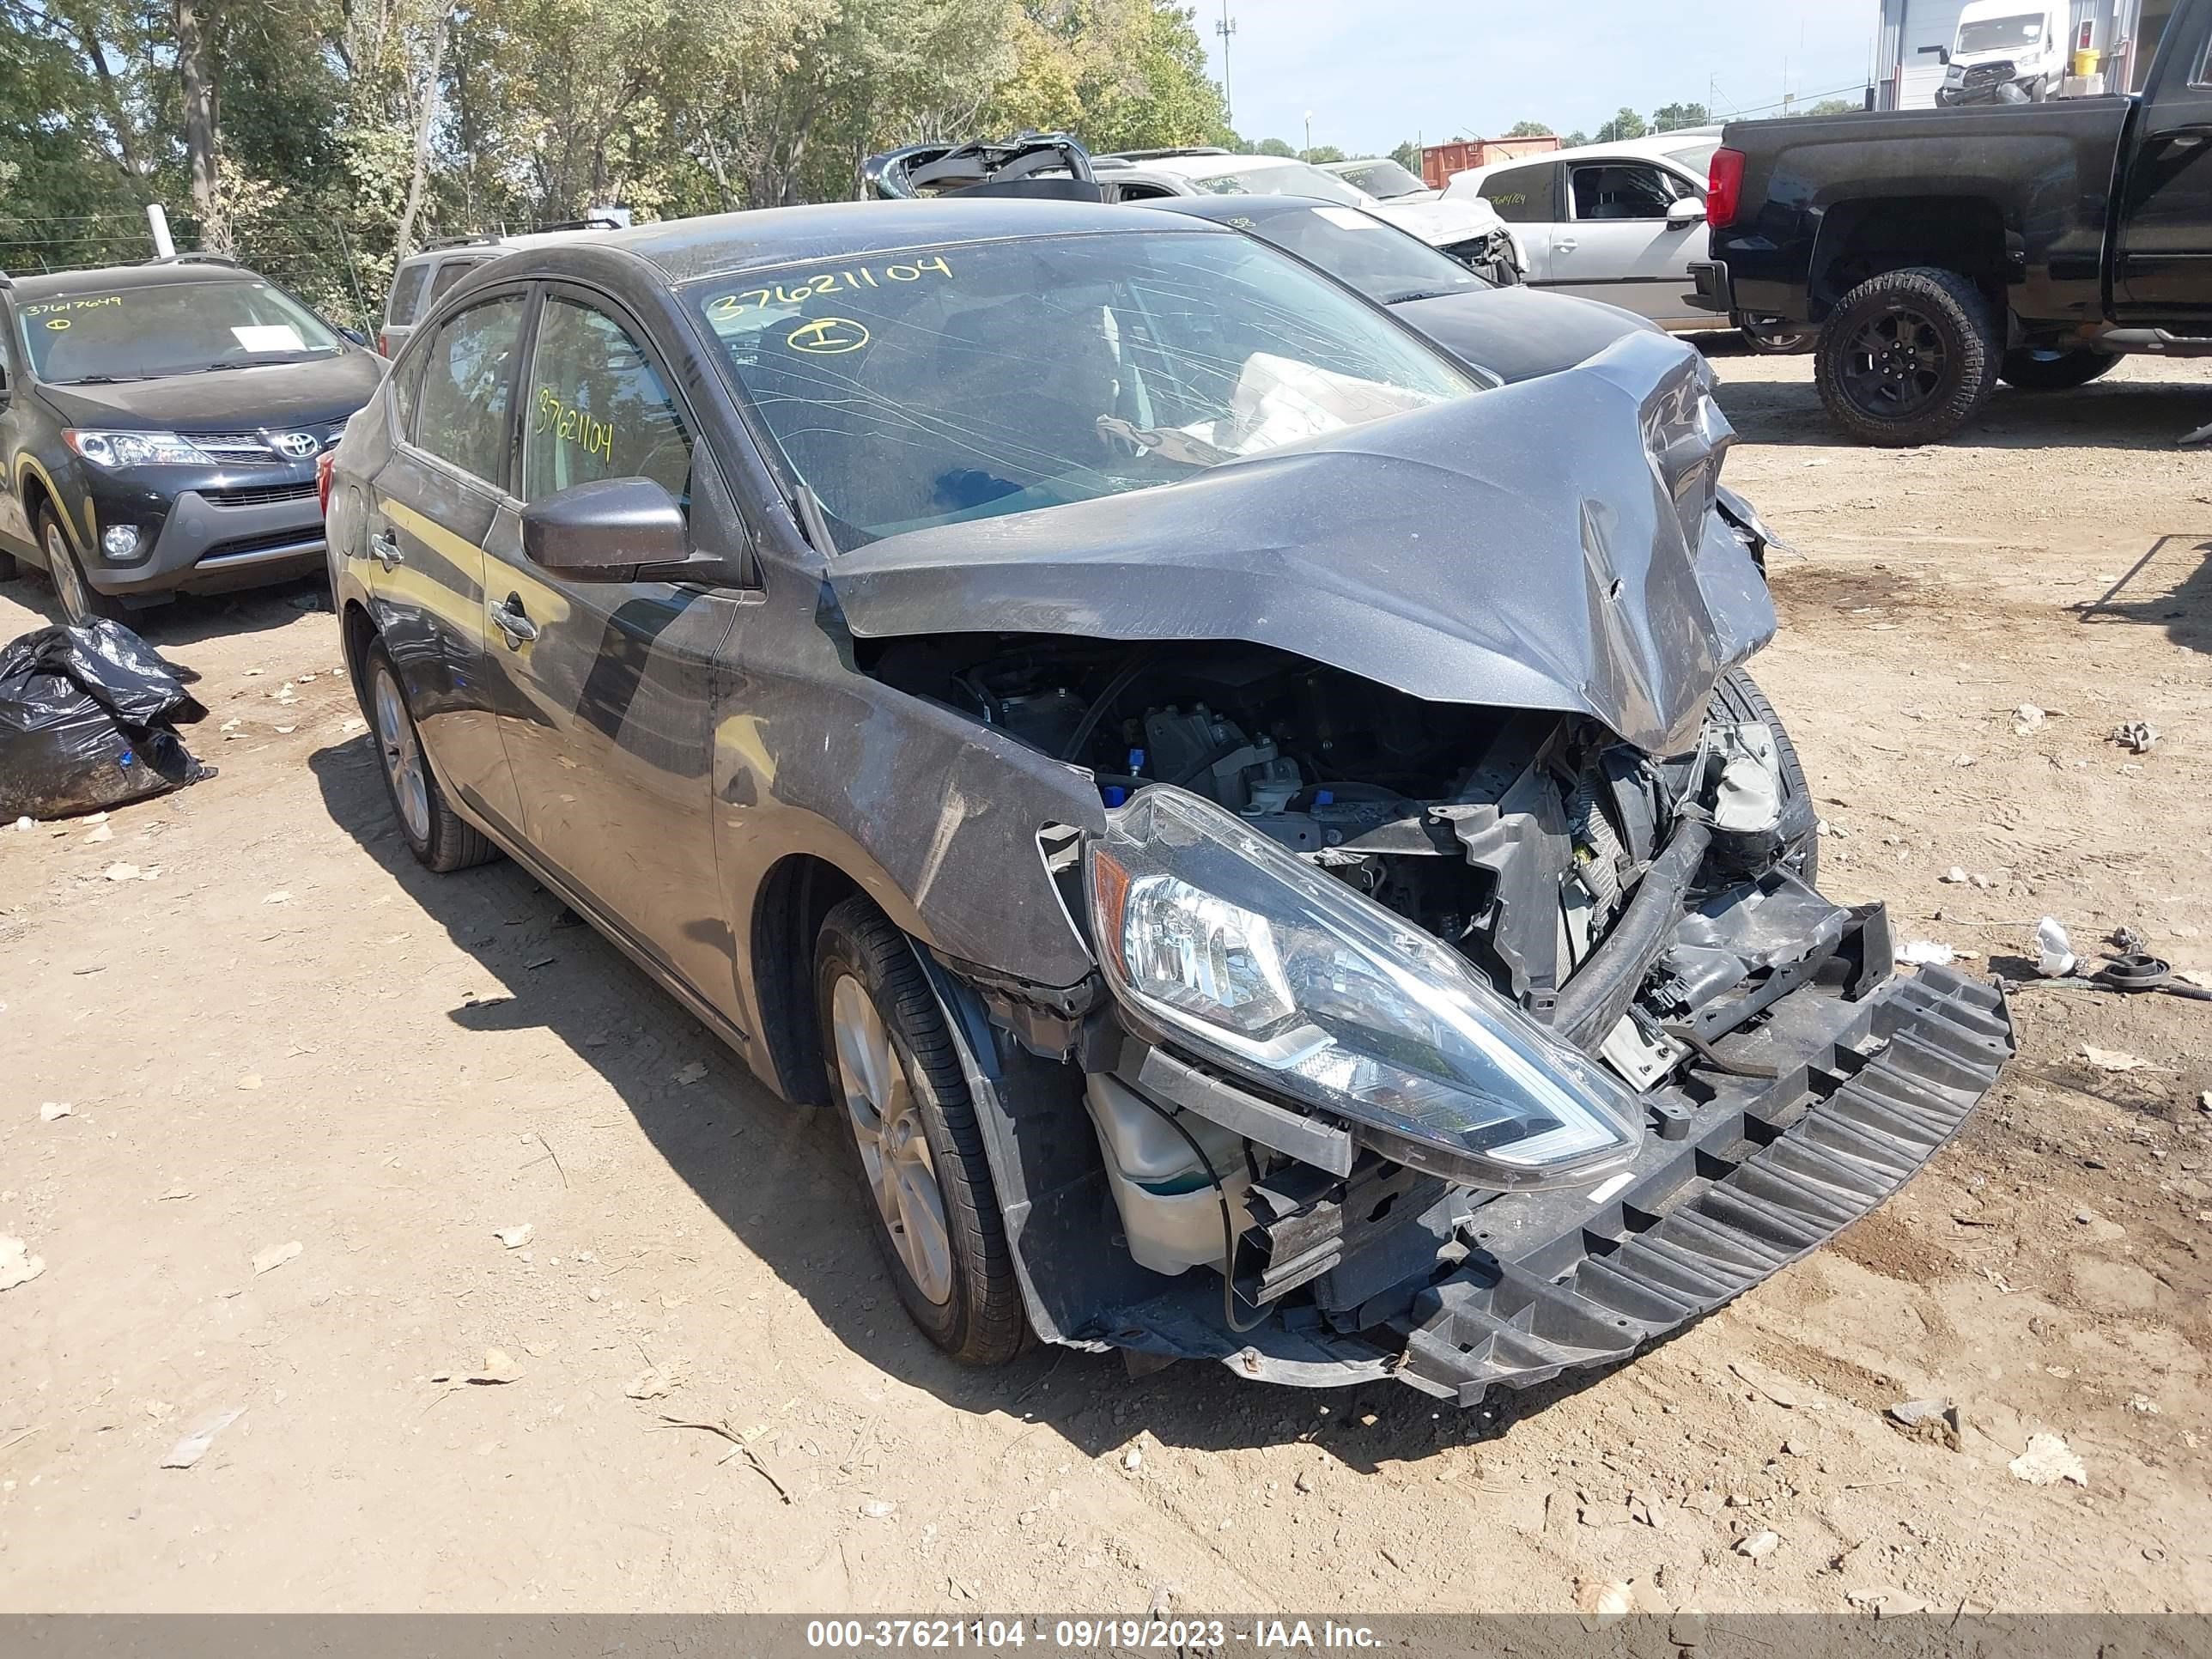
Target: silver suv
{"type": "Point", "coordinates": [421, 279]}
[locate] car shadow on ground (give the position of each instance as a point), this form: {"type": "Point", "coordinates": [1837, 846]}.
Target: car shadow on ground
{"type": "Point", "coordinates": [191, 619]}
{"type": "Point", "coordinates": [781, 1178]}
{"type": "Point", "coordinates": [2170, 586]}
{"type": "Point", "coordinates": [2110, 414]}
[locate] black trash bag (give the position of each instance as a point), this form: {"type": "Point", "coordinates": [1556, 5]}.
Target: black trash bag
{"type": "Point", "coordinates": [87, 721]}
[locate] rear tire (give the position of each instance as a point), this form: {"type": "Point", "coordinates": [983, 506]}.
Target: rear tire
{"type": "Point", "coordinates": [1908, 357]}
{"type": "Point", "coordinates": [82, 603]}
{"type": "Point", "coordinates": [2033, 369]}
{"type": "Point", "coordinates": [437, 837]}
{"type": "Point", "coordinates": [897, 1085]}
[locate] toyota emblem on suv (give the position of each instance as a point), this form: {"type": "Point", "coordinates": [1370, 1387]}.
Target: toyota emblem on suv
{"type": "Point", "coordinates": [297, 445]}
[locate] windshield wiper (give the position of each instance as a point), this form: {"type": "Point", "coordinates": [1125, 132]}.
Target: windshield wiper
{"type": "Point", "coordinates": [1429, 293]}
{"type": "Point", "coordinates": [100, 379]}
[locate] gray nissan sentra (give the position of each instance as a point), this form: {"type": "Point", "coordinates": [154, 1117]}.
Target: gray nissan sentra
{"type": "Point", "coordinates": [1258, 827]}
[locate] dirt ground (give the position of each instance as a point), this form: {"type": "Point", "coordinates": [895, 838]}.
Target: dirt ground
{"type": "Point", "coordinates": [282, 1036]}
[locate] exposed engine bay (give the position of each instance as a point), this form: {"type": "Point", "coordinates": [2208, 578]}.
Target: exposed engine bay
{"type": "Point", "coordinates": [1515, 837]}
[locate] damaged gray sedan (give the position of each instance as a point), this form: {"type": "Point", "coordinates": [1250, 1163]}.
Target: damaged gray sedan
{"type": "Point", "coordinates": [1258, 827]}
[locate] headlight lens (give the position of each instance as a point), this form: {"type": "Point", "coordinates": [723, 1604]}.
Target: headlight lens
{"type": "Point", "coordinates": [1252, 958]}
{"type": "Point", "coordinates": [104, 448]}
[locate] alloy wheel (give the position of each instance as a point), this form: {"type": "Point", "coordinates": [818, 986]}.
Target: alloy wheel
{"type": "Point", "coordinates": [885, 1119]}
{"type": "Point", "coordinates": [1896, 363]}
{"type": "Point", "coordinates": [68, 581]}
{"type": "Point", "coordinates": [402, 757]}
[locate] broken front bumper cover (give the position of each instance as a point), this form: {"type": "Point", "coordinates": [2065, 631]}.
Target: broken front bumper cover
{"type": "Point", "coordinates": [1777, 1138]}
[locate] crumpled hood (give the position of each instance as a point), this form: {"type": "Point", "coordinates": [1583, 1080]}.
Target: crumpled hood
{"type": "Point", "coordinates": [1442, 222]}
{"type": "Point", "coordinates": [1549, 545]}
{"type": "Point", "coordinates": [248, 399]}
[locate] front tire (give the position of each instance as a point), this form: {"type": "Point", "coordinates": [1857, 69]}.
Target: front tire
{"type": "Point", "coordinates": [1795, 842]}
{"type": "Point", "coordinates": [2040, 369]}
{"type": "Point", "coordinates": [1908, 357]}
{"type": "Point", "coordinates": [898, 1084]}
{"type": "Point", "coordinates": [82, 603]}
{"type": "Point", "coordinates": [437, 837]}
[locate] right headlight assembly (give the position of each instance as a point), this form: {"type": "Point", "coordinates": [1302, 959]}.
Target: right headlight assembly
{"type": "Point", "coordinates": [1257, 963]}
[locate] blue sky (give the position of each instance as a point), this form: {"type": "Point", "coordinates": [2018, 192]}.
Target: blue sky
{"type": "Point", "coordinates": [1375, 71]}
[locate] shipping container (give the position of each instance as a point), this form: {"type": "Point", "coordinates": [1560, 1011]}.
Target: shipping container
{"type": "Point", "coordinates": [1440, 161]}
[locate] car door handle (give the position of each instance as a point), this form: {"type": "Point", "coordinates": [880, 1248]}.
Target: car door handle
{"type": "Point", "coordinates": [518, 628]}
{"type": "Point", "coordinates": [1567, 246]}
{"type": "Point", "coordinates": [384, 547]}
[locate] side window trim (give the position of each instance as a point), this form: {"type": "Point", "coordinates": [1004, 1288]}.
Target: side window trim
{"type": "Point", "coordinates": [419, 345]}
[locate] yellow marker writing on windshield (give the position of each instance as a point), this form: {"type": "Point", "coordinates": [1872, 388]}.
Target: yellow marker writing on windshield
{"type": "Point", "coordinates": [826, 282]}
{"type": "Point", "coordinates": [827, 336]}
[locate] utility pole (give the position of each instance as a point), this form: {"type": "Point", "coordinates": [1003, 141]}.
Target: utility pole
{"type": "Point", "coordinates": [1225, 28]}
{"type": "Point", "coordinates": [1308, 134]}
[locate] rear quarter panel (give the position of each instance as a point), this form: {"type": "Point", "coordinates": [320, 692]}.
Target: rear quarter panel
{"type": "Point", "coordinates": [2047, 169]}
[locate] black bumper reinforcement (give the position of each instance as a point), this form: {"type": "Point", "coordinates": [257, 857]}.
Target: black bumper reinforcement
{"type": "Point", "coordinates": [1771, 1168]}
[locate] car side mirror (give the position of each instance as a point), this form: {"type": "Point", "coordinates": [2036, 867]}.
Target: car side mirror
{"type": "Point", "coordinates": [1687, 211]}
{"type": "Point", "coordinates": [355, 335]}
{"type": "Point", "coordinates": [604, 529]}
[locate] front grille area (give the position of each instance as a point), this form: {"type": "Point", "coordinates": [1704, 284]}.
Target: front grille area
{"type": "Point", "coordinates": [1985, 76]}
{"type": "Point", "coordinates": [245, 447]}
{"type": "Point", "coordinates": [259, 495]}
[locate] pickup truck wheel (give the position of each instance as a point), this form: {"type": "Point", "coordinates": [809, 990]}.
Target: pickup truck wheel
{"type": "Point", "coordinates": [1908, 357]}
{"type": "Point", "coordinates": [2033, 368]}
{"type": "Point", "coordinates": [898, 1085]}
{"type": "Point", "coordinates": [1770, 341]}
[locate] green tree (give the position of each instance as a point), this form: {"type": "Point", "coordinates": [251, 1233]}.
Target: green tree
{"type": "Point", "coordinates": [1574, 140]}
{"type": "Point", "coordinates": [1276, 147]}
{"type": "Point", "coordinates": [1528, 130]}
{"type": "Point", "coordinates": [1320, 153]}
{"type": "Point", "coordinates": [1672, 118]}
{"type": "Point", "coordinates": [1407, 155]}
{"type": "Point", "coordinates": [1830, 106]}
{"type": "Point", "coordinates": [1625, 125]}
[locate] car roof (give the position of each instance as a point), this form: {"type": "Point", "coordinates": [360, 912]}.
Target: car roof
{"type": "Point", "coordinates": [1663, 146]}
{"type": "Point", "coordinates": [686, 250]}
{"type": "Point", "coordinates": [107, 278]}
{"type": "Point", "coordinates": [491, 248]}
{"type": "Point", "coordinates": [1212, 167]}
{"type": "Point", "coordinates": [1230, 210]}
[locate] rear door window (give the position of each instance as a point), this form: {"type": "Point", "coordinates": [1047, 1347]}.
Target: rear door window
{"type": "Point", "coordinates": [597, 408]}
{"type": "Point", "coordinates": [448, 274]}
{"type": "Point", "coordinates": [407, 292]}
{"type": "Point", "coordinates": [465, 404]}
{"type": "Point", "coordinates": [1523, 195]}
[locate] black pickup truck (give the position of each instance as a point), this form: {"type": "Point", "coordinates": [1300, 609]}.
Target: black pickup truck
{"type": "Point", "coordinates": [1938, 251]}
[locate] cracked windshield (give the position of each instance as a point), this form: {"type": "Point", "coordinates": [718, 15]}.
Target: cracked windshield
{"type": "Point", "coordinates": [930, 385]}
